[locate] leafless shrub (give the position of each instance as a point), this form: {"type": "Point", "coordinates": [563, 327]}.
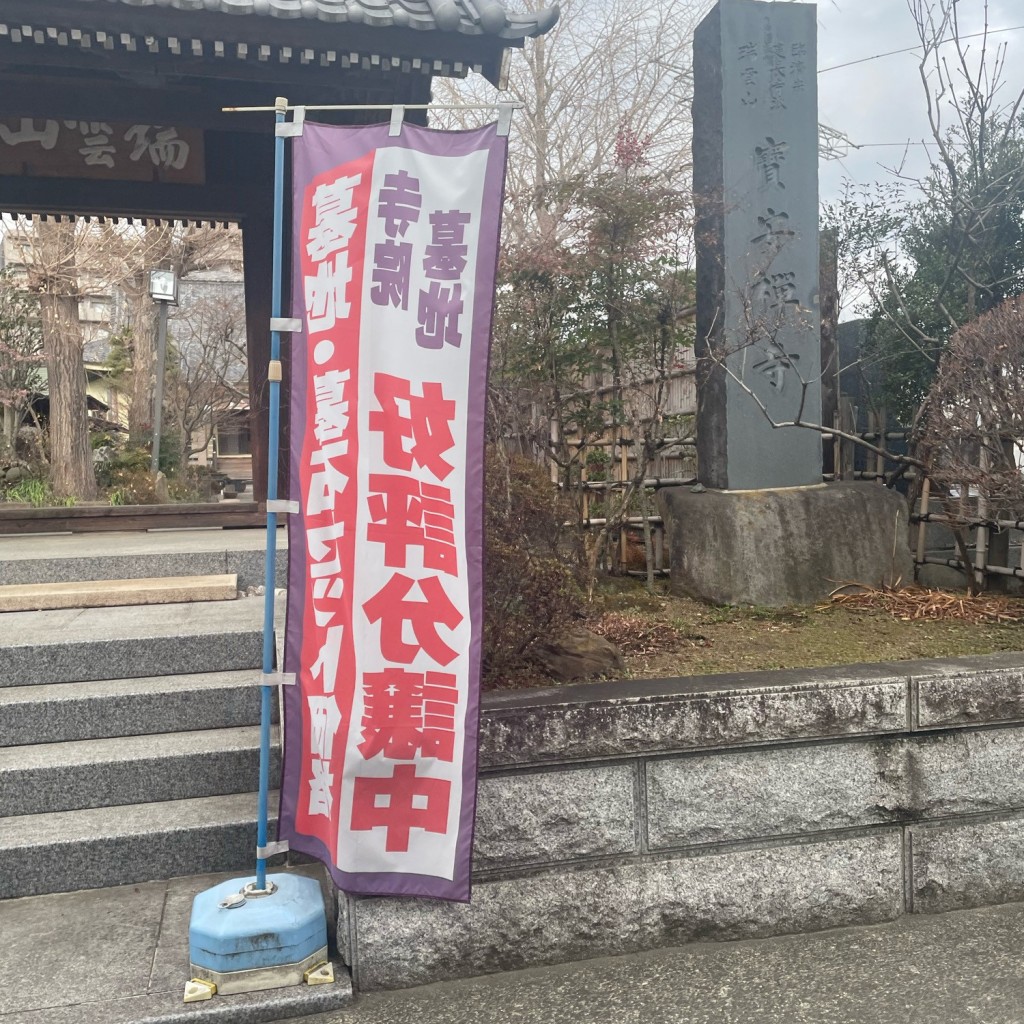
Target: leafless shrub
{"type": "Point", "coordinates": [971, 432]}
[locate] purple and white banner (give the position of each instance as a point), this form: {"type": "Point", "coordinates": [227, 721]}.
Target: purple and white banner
{"type": "Point", "coordinates": [394, 253]}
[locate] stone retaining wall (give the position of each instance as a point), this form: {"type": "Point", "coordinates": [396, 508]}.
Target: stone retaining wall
{"type": "Point", "coordinates": [616, 817]}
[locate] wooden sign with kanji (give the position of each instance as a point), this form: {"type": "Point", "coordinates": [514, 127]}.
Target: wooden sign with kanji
{"type": "Point", "coordinates": [101, 149]}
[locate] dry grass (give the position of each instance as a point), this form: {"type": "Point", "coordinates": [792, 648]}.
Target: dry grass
{"type": "Point", "coordinates": [914, 604]}
{"type": "Point", "coordinates": [639, 634]}
{"type": "Point", "coordinates": [664, 635]}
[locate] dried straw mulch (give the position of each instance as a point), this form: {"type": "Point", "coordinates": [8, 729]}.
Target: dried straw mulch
{"type": "Point", "coordinates": [635, 634]}
{"type": "Point", "coordinates": [910, 604]}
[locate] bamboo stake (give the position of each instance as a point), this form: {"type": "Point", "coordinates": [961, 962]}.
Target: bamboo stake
{"type": "Point", "coordinates": [922, 527]}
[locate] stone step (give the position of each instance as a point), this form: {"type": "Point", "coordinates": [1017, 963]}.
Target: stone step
{"type": "Point", "coordinates": [134, 555]}
{"type": "Point", "coordinates": [68, 645]}
{"type": "Point", "coordinates": [107, 846]}
{"type": "Point", "coordinates": [50, 777]}
{"type": "Point", "coordinates": [127, 707]}
{"type": "Point", "coordinates": [108, 593]}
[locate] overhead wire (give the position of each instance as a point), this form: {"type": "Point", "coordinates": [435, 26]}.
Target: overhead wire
{"type": "Point", "coordinates": [911, 49]}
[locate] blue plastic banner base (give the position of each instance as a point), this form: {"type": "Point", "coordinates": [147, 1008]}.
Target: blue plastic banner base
{"type": "Point", "coordinates": [247, 940]}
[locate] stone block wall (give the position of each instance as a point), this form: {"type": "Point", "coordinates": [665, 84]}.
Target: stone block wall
{"type": "Point", "coordinates": [622, 816]}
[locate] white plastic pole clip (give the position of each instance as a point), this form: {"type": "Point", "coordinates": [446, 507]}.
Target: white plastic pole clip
{"type": "Point", "coordinates": [283, 507]}
{"type": "Point", "coordinates": [292, 129]}
{"type": "Point", "coordinates": [285, 324]}
{"type": "Point", "coordinates": [504, 118]}
{"type": "Point", "coordinates": [272, 849]}
{"type": "Point", "coordinates": [397, 119]}
{"type": "Point", "coordinates": [277, 679]}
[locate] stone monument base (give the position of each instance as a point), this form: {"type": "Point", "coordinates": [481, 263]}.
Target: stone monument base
{"type": "Point", "coordinates": [785, 546]}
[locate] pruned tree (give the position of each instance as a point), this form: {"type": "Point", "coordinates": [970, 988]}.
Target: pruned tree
{"type": "Point", "coordinates": [593, 285]}
{"type": "Point", "coordinates": [65, 261]}
{"type": "Point", "coordinates": [972, 427]}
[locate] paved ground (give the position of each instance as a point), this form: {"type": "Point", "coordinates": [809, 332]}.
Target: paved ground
{"type": "Point", "coordinates": [959, 968]}
{"type": "Point", "coordinates": [120, 955]}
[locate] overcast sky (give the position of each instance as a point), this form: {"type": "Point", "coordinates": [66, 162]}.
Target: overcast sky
{"type": "Point", "coordinates": [882, 101]}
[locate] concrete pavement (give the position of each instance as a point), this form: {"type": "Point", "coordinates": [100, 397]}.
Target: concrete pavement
{"type": "Point", "coordinates": [119, 956]}
{"type": "Point", "coordinates": [965, 967]}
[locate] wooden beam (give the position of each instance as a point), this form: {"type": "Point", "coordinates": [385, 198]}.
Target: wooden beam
{"type": "Point", "coordinates": [147, 70]}
{"type": "Point", "coordinates": [126, 199]}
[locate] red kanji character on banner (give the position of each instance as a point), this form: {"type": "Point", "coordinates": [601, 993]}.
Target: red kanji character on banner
{"type": "Point", "coordinates": [410, 801]}
{"type": "Point", "coordinates": [393, 713]}
{"type": "Point", "coordinates": [402, 716]}
{"type": "Point", "coordinates": [427, 426]}
{"type": "Point", "coordinates": [390, 608]}
{"type": "Point", "coordinates": [406, 513]}
{"type": "Point", "coordinates": [438, 317]}
{"type": "Point", "coordinates": [440, 699]}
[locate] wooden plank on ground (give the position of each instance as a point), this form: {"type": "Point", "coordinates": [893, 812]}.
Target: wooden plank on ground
{"type": "Point", "coordinates": [108, 593]}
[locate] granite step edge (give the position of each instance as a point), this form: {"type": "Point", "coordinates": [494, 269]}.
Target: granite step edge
{"type": "Point", "coordinates": [219, 763]}
{"type": "Point", "coordinates": [98, 709]}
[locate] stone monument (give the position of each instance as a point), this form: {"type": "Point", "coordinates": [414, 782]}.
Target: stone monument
{"type": "Point", "coordinates": [755, 178]}
{"type": "Point", "coordinates": [755, 530]}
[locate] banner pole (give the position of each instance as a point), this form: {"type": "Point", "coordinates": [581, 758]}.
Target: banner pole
{"type": "Point", "coordinates": [273, 446]}
{"type": "Point", "coordinates": [282, 940]}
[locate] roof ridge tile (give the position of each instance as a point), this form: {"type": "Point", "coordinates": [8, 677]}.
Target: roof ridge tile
{"type": "Point", "coordinates": [470, 17]}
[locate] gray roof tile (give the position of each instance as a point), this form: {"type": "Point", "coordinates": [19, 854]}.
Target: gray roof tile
{"type": "Point", "coordinates": [470, 17]}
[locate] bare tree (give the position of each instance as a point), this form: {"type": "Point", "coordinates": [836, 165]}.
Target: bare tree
{"type": "Point", "coordinates": [608, 67]}
{"type": "Point", "coordinates": [54, 275]}
{"type": "Point", "coordinates": [208, 376]}
{"type": "Point", "coordinates": [945, 247]}
{"type": "Point", "coordinates": [129, 259]}
{"type": "Point", "coordinates": [64, 262]}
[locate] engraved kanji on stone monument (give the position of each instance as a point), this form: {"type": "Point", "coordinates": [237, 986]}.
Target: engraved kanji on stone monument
{"type": "Point", "coordinates": [756, 185]}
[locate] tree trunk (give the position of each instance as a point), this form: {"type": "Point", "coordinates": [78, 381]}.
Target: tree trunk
{"type": "Point", "coordinates": [71, 471]}
{"type": "Point", "coordinates": [142, 325]}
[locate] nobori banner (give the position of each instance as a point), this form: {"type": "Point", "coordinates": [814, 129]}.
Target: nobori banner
{"type": "Point", "coordinates": [395, 252]}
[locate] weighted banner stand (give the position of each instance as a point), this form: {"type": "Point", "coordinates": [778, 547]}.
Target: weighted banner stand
{"type": "Point", "coordinates": [247, 935]}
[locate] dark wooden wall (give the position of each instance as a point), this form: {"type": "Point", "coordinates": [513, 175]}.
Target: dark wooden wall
{"type": "Point", "coordinates": [66, 84]}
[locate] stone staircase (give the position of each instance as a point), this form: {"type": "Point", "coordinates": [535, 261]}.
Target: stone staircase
{"type": "Point", "coordinates": [129, 738]}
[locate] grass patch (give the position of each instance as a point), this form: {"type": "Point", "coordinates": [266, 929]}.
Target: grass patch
{"type": "Point", "coordinates": [665, 636]}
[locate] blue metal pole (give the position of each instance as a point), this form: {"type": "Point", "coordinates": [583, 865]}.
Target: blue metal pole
{"type": "Point", "coordinates": [266, 703]}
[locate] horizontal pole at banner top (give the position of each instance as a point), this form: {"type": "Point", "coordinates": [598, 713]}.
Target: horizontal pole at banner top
{"type": "Point", "coordinates": [376, 106]}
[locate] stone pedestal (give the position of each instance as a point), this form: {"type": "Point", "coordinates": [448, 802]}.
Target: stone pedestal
{"type": "Point", "coordinates": [785, 546]}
